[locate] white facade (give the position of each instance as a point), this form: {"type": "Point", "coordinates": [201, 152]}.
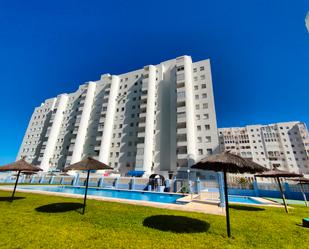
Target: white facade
{"type": "Point", "coordinates": [284, 145]}
{"type": "Point", "coordinates": [157, 119]}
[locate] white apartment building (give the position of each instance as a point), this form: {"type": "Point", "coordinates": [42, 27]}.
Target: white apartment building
{"type": "Point", "coordinates": [285, 145]}
{"type": "Point", "coordinates": [157, 119]}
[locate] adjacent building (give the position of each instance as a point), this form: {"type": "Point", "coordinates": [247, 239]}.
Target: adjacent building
{"type": "Point", "coordinates": [284, 145]}
{"type": "Point", "coordinates": [158, 119]}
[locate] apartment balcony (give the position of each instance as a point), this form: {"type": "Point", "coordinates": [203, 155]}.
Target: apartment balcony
{"type": "Point", "coordinates": [75, 131]}
{"type": "Point", "coordinates": [181, 131]}
{"type": "Point", "coordinates": [71, 148]}
{"type": "Point", "coordinates": [145, 84]}
{"type": "Point", "coordinates": [97, 148]}
{"type": "Point", "coordinates": [142, 120]}
{"type": "Point", "coordinates": [101, 127]}
{"type": "Point", "coordinates": [144, 97]}
{"type": "Point", "coordinates": [181, 143]}
{"type": "Point", "coordinates": [141, 134]}
{"type": "Point", "coordinates": [181, 117]}
{"type": "Point", "coordinates": [182, 156]}
{"type": "Point", "coordinates": [141, 128]}
{"type": "Point", "coordinates": [77, 122]}
{"type": "Point", "coordinates": [142, 115]}
{"type": "Point", "coordinates": [98, 138]}
{"type": "Point", "coordinates": [102, 119]}
{"type": "Point", "coordinates": [180, 89]}
{"type": "Point", "coordinates": [73, 140]}
{"type": "Point", "coordinates": [181, 85]}
{"type": "Point", "coordinates": [181, 109]}
{"type": "Point", "coordinates": [143, 105]}
{"type": "Point", "coordinates": [143, 110]}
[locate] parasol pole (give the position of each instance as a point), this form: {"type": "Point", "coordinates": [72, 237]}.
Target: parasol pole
{"type": "Point", "coordinates": [282, 194]}
{"type": "Point", "coordinates": [85, 197]}
{"type": "Point", "coordinates": [12, 198]}
{"type": "Point", "coordinates": [227, 205]}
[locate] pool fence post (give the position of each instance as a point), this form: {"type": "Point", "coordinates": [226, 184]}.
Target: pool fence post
{"type": "Point", "coordinates": [101, 182]}
{"type": "Point", "coordinates": [221, 189]}
{"type": "Point", "coordinates": [287, 190]}
{"type": "Point", "coordinates": [42, 179]}
{"type": "Point", "coordinates": [256, 188]}
{"type": "Point", "coordinates": [116, 183]}
{"type": "Point", "coordinates": [198, 185]}
{"type": "Point", "coordinates": [133, 183]}
{"type": "Point", "coordinates": [175, 184]}
{"type": "Point", "coordinates": [76, 179]}
{"type": "Point", "coordinates": [52, 180]}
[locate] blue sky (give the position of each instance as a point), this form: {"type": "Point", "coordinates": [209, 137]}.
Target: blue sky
{"type": "Point", "coordinates": [259, 51]}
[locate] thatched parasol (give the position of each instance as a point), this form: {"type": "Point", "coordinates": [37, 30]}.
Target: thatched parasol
{"type": "Point", "coordinates": [28, 172]}
{"type": "Point", "coordinates": [228, 162]}
{"type": "Point", "coordinates": [276, 173]}
{"type": "Point", "coordinates": [19, 166]}
{"type": "Point", "coordinates": [87, 164]}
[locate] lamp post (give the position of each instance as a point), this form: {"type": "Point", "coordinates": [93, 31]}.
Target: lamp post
{"type": "Point", "coordinates": [189, 189]}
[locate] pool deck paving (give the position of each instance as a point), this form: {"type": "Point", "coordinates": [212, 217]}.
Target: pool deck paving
{"type": "Point", "coordinates": [190, 203]}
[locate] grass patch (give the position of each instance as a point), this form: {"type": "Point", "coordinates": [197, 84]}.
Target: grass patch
{"type": "Point", "coordinates": [40, 221]}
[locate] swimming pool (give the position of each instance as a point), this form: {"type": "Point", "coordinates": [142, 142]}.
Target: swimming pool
{"type": "Point", "coordinates": [111, 193]}
{"type": "Point", "coordinates": [243, 200]}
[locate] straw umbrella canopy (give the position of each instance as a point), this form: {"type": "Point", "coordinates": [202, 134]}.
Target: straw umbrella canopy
{"type": "Point", "coordinates": [227, 162]}
{"type": "Point", "coordinates": [301, 181]}
{"type": "Point", "coordinates": [28, 172]}
{"type": "Point", "coordinates": [19, 166]}
{"type": "Point", "coordinates": [277, 174]}
{"type": "Point", "coordinates": [87, 164]}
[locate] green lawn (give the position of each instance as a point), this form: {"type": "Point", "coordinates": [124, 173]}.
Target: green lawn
{"type": "Point", "coordinates": [37, 221]}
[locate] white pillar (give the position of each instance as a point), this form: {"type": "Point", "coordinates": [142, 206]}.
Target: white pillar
{"type": "Point", "coordinates": [150, 117]}
{"type": "Point", "coordinates": [82, 129]}
{"type": "Point", "coordinates": [190, 111]}
{"type": "Point", "coordinates": [54, 132]}
{"type": "Point", "coordinates": [109, 121]}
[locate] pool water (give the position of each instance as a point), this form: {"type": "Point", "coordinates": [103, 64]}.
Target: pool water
{"type": "Point", "coordinates": [243, 199]}
{"type": "Point", "coordinates": [111, 193]}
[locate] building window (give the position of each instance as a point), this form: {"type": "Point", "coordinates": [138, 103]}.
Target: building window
{"type": "Point", "coordinates": [198, 127]}
{"type": "Point", "coordinates": [208, 139]}
{"type": "Point", "coordinates": [205, 105]}
{"type": "Point", "coordinates": [202, 68]}
{"type": "Point", "coordinates": [204, 95]}
{"type": "Point", "coordinates": [197, 107]}
{"type": "Point", "coordinates": [203, 86]}
{"type": "Point", "coordinates": [200, 151]}
{"type": "Point", "coordinates": [207, 127]}
{"type": "Point", "coordinates": [196, 97]}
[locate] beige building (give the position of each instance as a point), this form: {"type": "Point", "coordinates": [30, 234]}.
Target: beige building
{"type": "Point", "coordinates": [285, 145]}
